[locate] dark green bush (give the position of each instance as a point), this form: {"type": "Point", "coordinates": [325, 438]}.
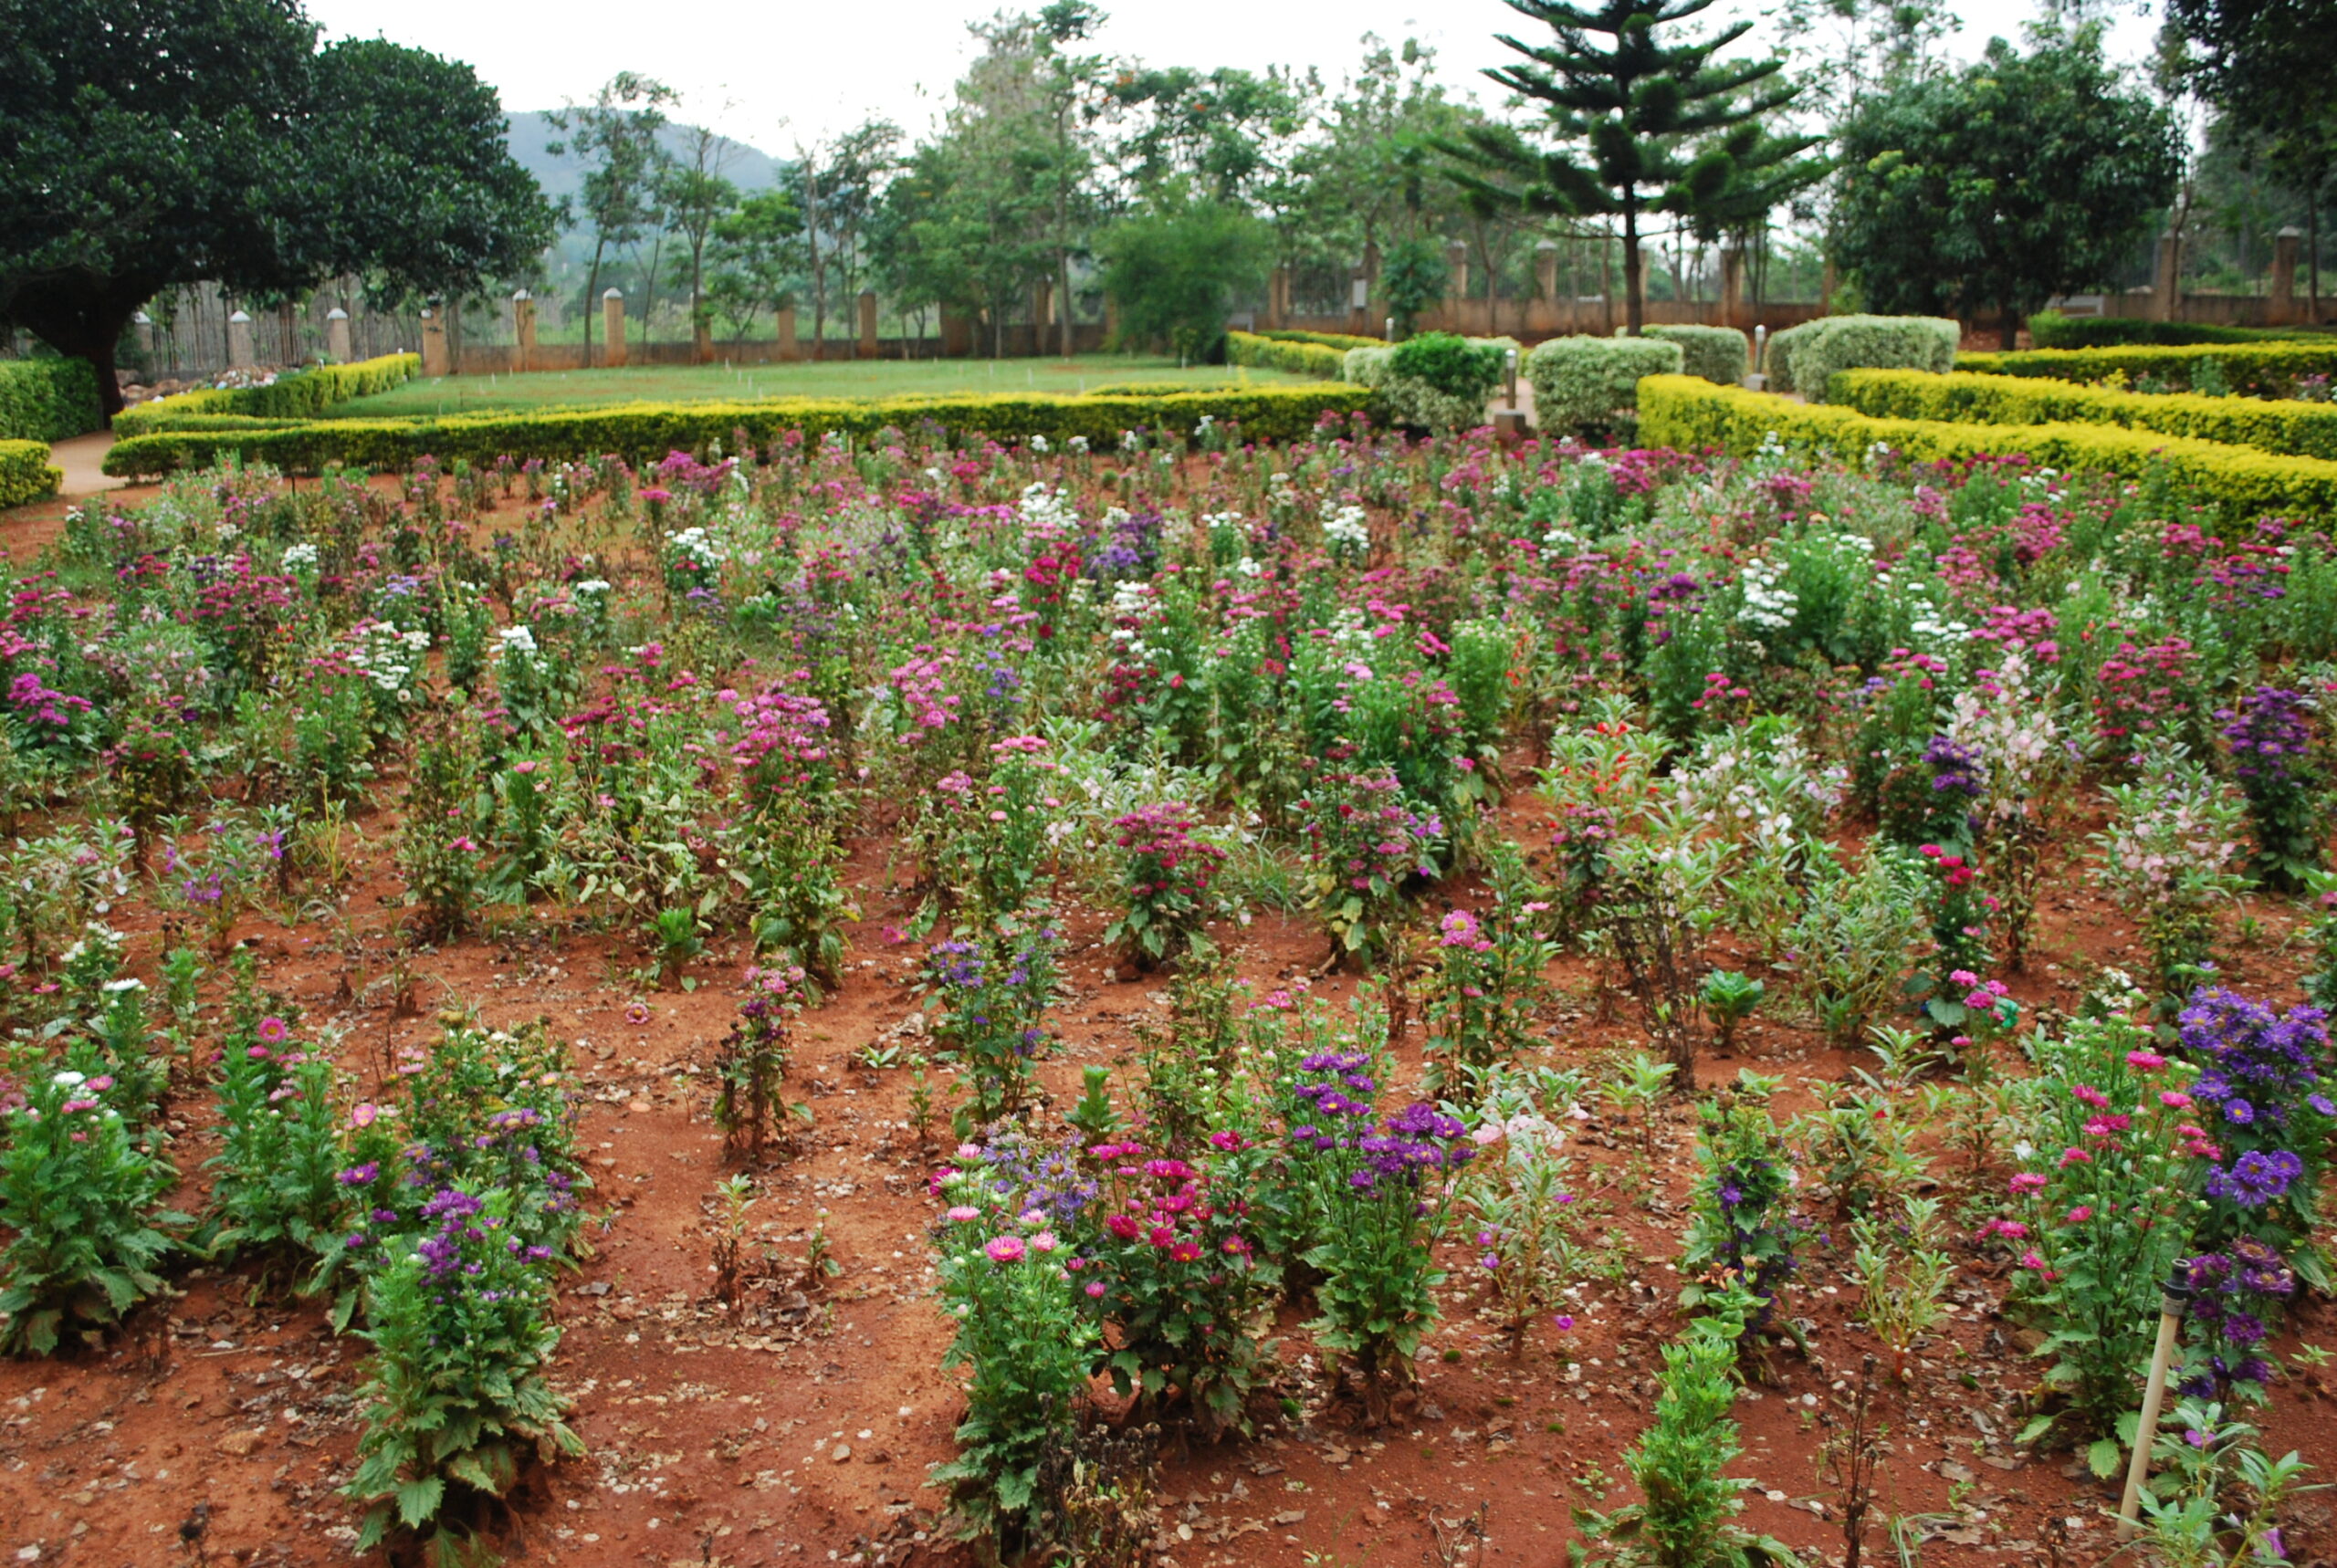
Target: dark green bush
{"type": "Point", "coordinates": [1450, 364]}
{"type": "Point", "coordinates": [2051, 329]}
{"type": "Point", "coordinates": [48, 400]}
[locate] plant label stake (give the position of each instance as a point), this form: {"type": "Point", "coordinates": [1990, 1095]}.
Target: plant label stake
{"type": "Point", "coordinates": [2173, 1300]}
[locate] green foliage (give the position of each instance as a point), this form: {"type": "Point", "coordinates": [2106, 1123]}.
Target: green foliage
{"type": "Point", "coordinates": [1173, 272]}
{"type": "Point", "coordinates": [2286, 428]}
{"type": "Point", "coordinates": [1998, 186]}
{"type": "Point", "coordinates": [1451, 364]}
{"type": "Point", "coordinates": [81, 1194]}
{"type": "Point", "coordinates": [1720, 354]}
{"type": "Point", "coordinates": [2051, 329]}
{"type": "Point", "coordinates": [25, 473]}
{"type": "Point", "coordinates": [47, 400]}
{"type": "Point", "coordinates": [1413, 278]}
{"type": "Point", "coordinates": [644, 433]}
{"type": "Point", "coordinates": [2241, 482]}
{"type": "Point", "coordinates": [1582, 384]}
{"type": "Point", "coordinates": [1818, 348]}
{"type": "Point", "coordinates": [2251, 369]}
{"type": "Point", "coordinates": [304, 395]}
{"type": "Point", "coordinates": [1407, 397]}
{"type": "Point", "coordinates": [1277, 354]}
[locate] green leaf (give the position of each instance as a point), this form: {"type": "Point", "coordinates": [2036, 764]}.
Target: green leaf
{"type": "Point", "coordinates": [2102, 1457]}
{"type": "Point", "coordinates": [418, 1501]}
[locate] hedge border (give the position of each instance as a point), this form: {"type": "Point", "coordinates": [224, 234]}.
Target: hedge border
{"type": "Point", "coordinates": [25, 473]}
{"type": "Point", "coordinates": [643, 433]}
{"type": "Point", "coordinates": [2257, 369]}
{"type": "Point", "coordinates": [1689, 414]}
{"type": "Point", "coordinates": [2051, 329]}
{"type": "Point", "coordinates": [1340, 341]}
{"type": "Point", "coordinates": [2285, 427]}
{"type": "Point", "coordinates": [302, 396]}
{"type": "Point", "coordinates": [48, 400]}
{"type": "Point", "coordinates": [1299, 357]}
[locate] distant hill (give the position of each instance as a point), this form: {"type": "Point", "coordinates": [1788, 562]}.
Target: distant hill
{"type": "Point", "coordinates": [532, 136]}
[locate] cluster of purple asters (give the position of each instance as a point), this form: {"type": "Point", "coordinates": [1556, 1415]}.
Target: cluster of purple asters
{"type": "Point", "coordinates": [1955, 767]}
{"type": "Point", "coordinates": [1339, 1091]}
{"type": "Point", "coordinates": [2233, 1293]}
{"type": "Point", "coordinates": [2258, 1070]}
{"type": "Point", "coordinates": [2269, 736]}
{"type": "Point", "coordinates": [2256, 1179]}
{"type": "Point", "coordinates": [1049, 1182]}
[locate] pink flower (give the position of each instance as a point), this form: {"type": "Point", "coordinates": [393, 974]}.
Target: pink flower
{"type": "Point", "coordinates": [2080, 1215]}
{"type": "Point", "coordinates": [2031, 1260]}
{"type": "Point", "coordinates": [962, 1214]}
{"type": "Point", "coordinates": [1004, 1248]}
{"type": "Point", "coordinates": [1565, 1322]}
{"type": "Point", "coordinates": [258, 1053]}
{"type": "Point", "coordinates": [2074, 1156]}
{"type": "Point", "coordinates": [1094, 1287]}
{"type": "Point", "coordinates": [2087, 1094]}
{"type": "Point", "coordinates": [273, 1029]}
{"type": "Point", "coordinates": [363, 1114]}
{"type": "Point", "coordinates": [2147, 1061]}
{"type": "Point", "coordinates": [1044, 1241]}
{"type": "Point", "coordinates": [2175, 1099]}
{"type": "Point", "coordinates": [101, 1082]}
{"type": "Point", "coordinates": [2027, 1181]}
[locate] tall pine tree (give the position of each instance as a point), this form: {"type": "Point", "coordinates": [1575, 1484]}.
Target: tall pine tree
{"type": "Point", "coordinates": [1642, 122]}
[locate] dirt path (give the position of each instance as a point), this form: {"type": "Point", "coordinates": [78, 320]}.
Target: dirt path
{"type": "Point", "coordinates": [82, 457]}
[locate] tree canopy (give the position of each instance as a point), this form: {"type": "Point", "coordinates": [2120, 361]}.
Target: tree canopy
{"type": "Point", "coordinates": [150, 143]}
{"type": "Point", "coordinates": [2020, 178]}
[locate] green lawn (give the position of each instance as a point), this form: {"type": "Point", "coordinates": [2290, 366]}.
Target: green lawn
{"type": "Point", "coordinates": [867, 379]}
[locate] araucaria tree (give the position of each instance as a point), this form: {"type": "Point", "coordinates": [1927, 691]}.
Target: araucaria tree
{"type": "Point", "coordinates": [145, 144]}
{"type": "Point", "coordinates": [1640, 120]}
{"type": "Point", "coordinates": [2020, 178]}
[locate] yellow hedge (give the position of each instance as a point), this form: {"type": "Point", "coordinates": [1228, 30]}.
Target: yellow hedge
{"type": "Point", "coordinates": [2261, 370]}
{"type": "Point", "coordinates": [302, 396]}
{"type": "Point", "coordinates": [2284, 426]}
{"type": "Point", "coordinates": [1689, 414]}
{"type": "Point", "coordinates": [645, 432]}
{"type": "Point", "coordinates": [25, 474]}
{"type": "Point", "coordinates": [1301, 358]}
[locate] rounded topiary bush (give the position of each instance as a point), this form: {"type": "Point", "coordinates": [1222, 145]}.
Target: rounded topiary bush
{"type": "Point", "coordinates": [1803, 359]}
{"type": "Point", "coordinates": [1582, 384]}
{"type": "Point", "coordinates": [1437, 381]}
{"type": "Point", "coordinates": [1720, 354]}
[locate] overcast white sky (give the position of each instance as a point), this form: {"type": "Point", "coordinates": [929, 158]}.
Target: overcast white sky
{"type": "Point", "coordinates": [769, 74]}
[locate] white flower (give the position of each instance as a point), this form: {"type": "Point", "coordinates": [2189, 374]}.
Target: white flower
{"type": "Point", "coordinates": [299, 555]}
{"type": "Point", "coordinates": [127, 983]}
{"type": "Point", "coordinates": [67, 1079]}
{"type": "Point", "coordinates": [518, 640]}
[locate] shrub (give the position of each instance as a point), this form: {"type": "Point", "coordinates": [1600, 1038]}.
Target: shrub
{"type": "Point", "coordinates": [1339, 341]}
{"type": "Point", "coordinates": [1451, 365]}
{"type": "Point", "coordinates": [1776, 355]}
{"type": "Point", "coordinates": [1410, 399]}
{"type": "Point", "coordinates": [48, 400]}
{"type": "Point", "coordinates": [303, 395]}
{"type": "Point", "coordinates": [1693, 414]}
{"type": "Point", "coordinates": [79, 1193]}
{"type": "Point", "coordinates": [26, 473]}
{"type": "Point", "coordinates": [2285, 427]}
{"type": "Point", "coordinates": [1719, 354]}
{"type": "Point", "coordinates": [1581, 384]}
{"type": "Point", "coordinates": [1164, 877]}
{"type": "Point", "coordinates": [2251, 369]}
{"type": "Point", "coordinates": [1845, 342]}
{"type": "Point", "coordinates": [2051, 329]}
{"type": "Point", "coordinates": [646, 433]}
{"type": "Point", "coordinates": [1277, 354]}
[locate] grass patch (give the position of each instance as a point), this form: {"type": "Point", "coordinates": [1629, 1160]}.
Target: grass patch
{"type": "Point", "coordinates": [847, 379]}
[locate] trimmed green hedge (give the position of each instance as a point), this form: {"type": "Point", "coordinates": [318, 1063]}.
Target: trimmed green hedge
{"type": "Point", "coordinates": [643, 433]}
{"type": "Point", "coordinates": [1803, 359]}
{"type": "Point", "coordinates": [25, 474]}
{"type": "Point", "coordinates": [1301, 358]}
{"type": "Point", "coordinates": [2285, 427]}
{"type": "Point", "coordinates": [1720, 354]}
{"type": "Point", "coordinates": [1340, 341]}
{"type": "Point", "coordinates": [301, 396]}
{"type": "Point", "coordinates": [2258, 370]}
{"type": "Point", "coordinates": [1580, 383]}
{"type": "Point", "coordinates": [1689, 414]}
{"type": "Point", "coordinates": [2051, 329]}
{"type": "Point", "coordinates": [48, 400]}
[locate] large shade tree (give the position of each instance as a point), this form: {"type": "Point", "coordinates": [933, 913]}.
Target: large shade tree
{"type": "Point", "coordinates": [2020, 178]}
{"type": "Point", "coordinates": [146, 144]}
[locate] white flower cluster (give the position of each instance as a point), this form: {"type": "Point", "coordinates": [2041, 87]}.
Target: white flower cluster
{"type": "Point", "coordinates": [2013, 731]}
{"type": "Point", "coordinates": [697, 547]}
{"type": "Point", "coordinates": [1131, 600]}
{"type": "Point", "coordinates": [299, 556]}
{"type": "Point", "coordinates": [390, 657]}
{"type": "Point", "coordinates": [1771, 794]}
{"type": "Point", "coordinates": [1769, 605]}
{"type": "Point", "coordinates": [516, 642]}
{"type": "Point", "coordinates": [1042, 507]}
{"type": "Point", "coordinates": [1349, 533]}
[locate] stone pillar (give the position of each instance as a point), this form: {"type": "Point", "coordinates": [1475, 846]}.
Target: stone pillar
{"type": "Point", "coordinates": [957, 333]}
{"type": "Point", "coordinates": [523, 330]}
{"type": "Point", "coordinates": [1456, 287]}
{"type": "Point", "coordinates": [2166, 284]}
{"type": "Point", "coordinates": [1731, 285]}
{"type": "Point", "coordinates": [239, 342]}
{"type": "Point", "coordinates": [2285, 246]}
{"type": "Point", "coordinates": [434, 342]}
{"type": "Point", "coordinates": [337, 348]}
{"type": "Point", "coordinates": [867, 324]}
{"type": "Point", "coordinates": [789, 347]}
{"type": "Point", "coordinates": [612, 326]}
{"type": "Point", "coordinates": [1545, 270]}
{"type": "Point", "coordinates": [146, 333]}
{"type": "Point", "coordinates": [1359, 300]}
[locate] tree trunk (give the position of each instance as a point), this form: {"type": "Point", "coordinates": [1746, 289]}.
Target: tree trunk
{"type": "Point", "coordinates": [2008, 325]}
{"type": "Point", "coordinates": [85, 326]}
{"type": "Point", "coordinates": [819, 273]}
{"type": "Point", "coordinates": [2313, 250]}
{"type": "Point", "coordinates": [1634, 273]}
{"type": "Point", "coordinates": [592, 298]}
